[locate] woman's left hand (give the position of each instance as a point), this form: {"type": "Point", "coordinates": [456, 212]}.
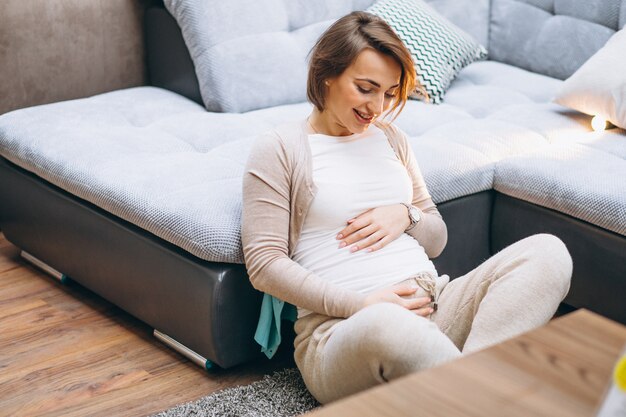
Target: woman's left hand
{"type": "Point", "coordinates": [375, 228]}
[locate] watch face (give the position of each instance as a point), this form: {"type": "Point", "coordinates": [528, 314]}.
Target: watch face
{"type": "Point", "coordinates": [415, 214]}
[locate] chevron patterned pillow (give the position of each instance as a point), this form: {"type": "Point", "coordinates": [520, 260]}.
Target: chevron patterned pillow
{"type": "Point", "coordinates": [439, 48]}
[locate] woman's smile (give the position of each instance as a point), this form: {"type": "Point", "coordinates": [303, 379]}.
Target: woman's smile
{"type": "Point", "coordinates": [363, 117]}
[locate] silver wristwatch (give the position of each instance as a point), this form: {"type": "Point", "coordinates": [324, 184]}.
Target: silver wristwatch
{"type": "Point", "coordinates": [414, 215]}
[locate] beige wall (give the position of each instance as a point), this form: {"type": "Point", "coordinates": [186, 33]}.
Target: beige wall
{"type": "Point", "coordinates": [52, 50]}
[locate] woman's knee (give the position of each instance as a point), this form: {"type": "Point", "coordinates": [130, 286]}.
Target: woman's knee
{"type": "Point", "coordinates": [387, 320]}
{"type": "Point", "coordinates": [400, 338]}
{"type": "Point", "coordinates": [379, 343]}
{"type": "Point", "coordinates": [556, 261]}
{"type": "Point", "coordinates": [554, 252]}
{"type": "Point", "coordinates": [380, 327]}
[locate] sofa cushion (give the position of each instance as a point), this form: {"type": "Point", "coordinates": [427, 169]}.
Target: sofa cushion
{"type": "Point", "coordinates": [491, 90]}
{"type": "Point", "coordinates": [458, 159]}
{"type": "Point", "coordinates": [552, 37]}
{"type": "Point", "coordinates": [165, 164]}
{"type": "Point", "coordinates": [581, 180]}
{"type": "Point", "coordinates": [252, 54]}
{"type": "Point", "coordinates": [439, 48]}
{"type": "Point", "coordinates": [599, 86]}
{"type": "Point", "coordinates": [225, 39]}
{"type": "Point", "coordinates": [146, 155]}
{"type": "Point", "coordinates": [473, 20]}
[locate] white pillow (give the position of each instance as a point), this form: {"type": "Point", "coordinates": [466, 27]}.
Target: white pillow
{"type": "Point", "coordinates": [439, 48]}
{"type": "Point", "coordinates": [599, 86]}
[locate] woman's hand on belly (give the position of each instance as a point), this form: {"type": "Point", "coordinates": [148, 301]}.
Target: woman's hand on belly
{"type": "Point", "coordinates": [394, 293]}
{"type": "Point", "coordinates": [375, 228]}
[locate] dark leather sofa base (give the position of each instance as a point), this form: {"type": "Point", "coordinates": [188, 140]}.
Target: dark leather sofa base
{"type": "Point", "coordinates": [599, 278]}
{"type": "Point", "coordinates": [212, 309]}
{"type": "Point", "coordinates": [209, 307]}
{"type": "Point", "coordinates": [469, 223]}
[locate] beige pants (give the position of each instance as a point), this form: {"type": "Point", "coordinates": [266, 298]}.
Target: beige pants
{"type": "Point", "coordinates": [516, 290]}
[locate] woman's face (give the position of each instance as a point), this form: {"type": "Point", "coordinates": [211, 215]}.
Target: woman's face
{"type": "Point", "coordinates": [365, 90]}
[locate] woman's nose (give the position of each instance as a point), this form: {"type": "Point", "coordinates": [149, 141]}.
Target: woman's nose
{"type": "Point", "coordinates": [377, 104]}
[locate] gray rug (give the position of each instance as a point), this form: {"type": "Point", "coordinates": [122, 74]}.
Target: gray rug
{"type": "Point", "coordinates": [277, 395]}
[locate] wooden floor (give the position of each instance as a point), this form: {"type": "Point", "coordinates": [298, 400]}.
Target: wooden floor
{"type": "Point", "coordinates": [64, 351]}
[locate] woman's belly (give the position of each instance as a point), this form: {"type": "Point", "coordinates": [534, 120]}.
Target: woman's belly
{"type": "Point", "coordinates": [361, 271]}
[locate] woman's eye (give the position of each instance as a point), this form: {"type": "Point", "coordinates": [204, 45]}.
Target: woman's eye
{"type": "Point", "coordinates": [390, 95]}
{"type": "Point", "coordinates": [363, 90]}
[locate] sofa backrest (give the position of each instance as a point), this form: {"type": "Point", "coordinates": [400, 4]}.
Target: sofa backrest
{"type": "Point", "coordinates": [251, 54]}
{"type": "Point", "coordinates": [470, 15]}
{"type": "Point", "coordinates": [552, 37]}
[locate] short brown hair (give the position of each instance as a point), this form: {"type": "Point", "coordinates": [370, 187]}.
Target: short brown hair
{"type": "Point", "coordinates": [339, 46]}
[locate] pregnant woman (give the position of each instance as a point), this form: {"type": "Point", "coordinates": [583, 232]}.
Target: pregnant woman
{"type": "Point", "coordinates": [337, 221]}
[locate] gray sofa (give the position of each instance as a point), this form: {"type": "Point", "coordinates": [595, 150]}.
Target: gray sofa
{"type": "Point", "coordinates": [136, 193]}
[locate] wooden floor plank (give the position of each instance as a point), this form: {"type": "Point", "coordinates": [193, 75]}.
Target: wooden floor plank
{"type": "Point", "coordinates": [65, 351]}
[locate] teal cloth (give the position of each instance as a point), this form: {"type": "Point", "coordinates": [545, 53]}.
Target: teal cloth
{"type": "Point", "coordinates": [273, 311]}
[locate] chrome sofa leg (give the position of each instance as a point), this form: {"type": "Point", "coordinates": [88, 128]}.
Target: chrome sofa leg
{"type": "Point", "coordinates": [44, 266]}
{"type": "Point", "coordinates": [184, 350]}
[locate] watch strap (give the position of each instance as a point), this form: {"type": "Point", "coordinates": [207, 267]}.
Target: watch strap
{"type": "Point", "coordinates": [411, 217]}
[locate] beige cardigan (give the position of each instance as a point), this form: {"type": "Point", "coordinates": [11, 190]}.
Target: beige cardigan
{"type": "Point", "coordinates": [278, 190]}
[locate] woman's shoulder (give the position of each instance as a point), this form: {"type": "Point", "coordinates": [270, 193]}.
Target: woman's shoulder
{"type": "Point", "coordinates": [283, 136]}
{"type": "Point", "coordinates": [390, 129]}
{"type": "Point", "coordinates": [394, 134]}
{"type": "Point", "coordinates": [282, 143]}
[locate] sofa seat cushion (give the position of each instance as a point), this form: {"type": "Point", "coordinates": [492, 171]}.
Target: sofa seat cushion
{"type": "Point", "coordinates": [490, 90]}
{"type": "Point", "coordinates": [165, 164]}
{"type": "Point", "coordinates": [492, 111]}
{"type": "Point", "coordinates": [146, 155]}
{"type": "Point", "coordinates": [584, 180]}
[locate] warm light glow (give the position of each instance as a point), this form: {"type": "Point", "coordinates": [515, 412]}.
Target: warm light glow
{"type": "Point", "coordinates": [598, 123]}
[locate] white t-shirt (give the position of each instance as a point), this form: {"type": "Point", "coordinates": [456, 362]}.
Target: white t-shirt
{"type": "Point", "coordinates": [353, 174]}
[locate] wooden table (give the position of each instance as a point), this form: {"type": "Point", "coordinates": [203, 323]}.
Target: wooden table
{"type": "Point", "coordinates": [561, 369]}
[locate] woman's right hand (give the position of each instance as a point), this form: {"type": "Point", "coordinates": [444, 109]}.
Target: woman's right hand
{"type": "Point", "coordinates": [394, 293]}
